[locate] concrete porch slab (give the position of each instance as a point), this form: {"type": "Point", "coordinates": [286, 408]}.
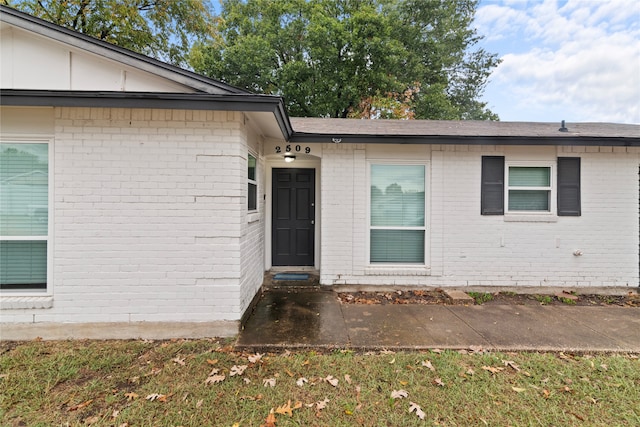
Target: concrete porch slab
{"type": "Point", "coordinates": [294, 318]}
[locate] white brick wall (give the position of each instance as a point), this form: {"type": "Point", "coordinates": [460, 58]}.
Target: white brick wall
{"type": "Point", "coordinates": [149, 216]}
{"type": "Point", "coordinates": [466, 248]}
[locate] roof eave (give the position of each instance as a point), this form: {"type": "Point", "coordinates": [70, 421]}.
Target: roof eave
{"type": "Point", "coordinates": [577, 140]}
{"type": "Point", "coordinates": [178, 101]}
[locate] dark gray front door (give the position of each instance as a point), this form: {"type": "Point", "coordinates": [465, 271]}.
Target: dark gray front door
{"type": "Point", "coordinates": [293, 217]}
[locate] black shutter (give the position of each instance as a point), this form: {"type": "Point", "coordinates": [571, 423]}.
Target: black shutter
{"type": "Point", "coordinates": [569, 186]}
{"type": "Point", "coordinates": [492, 191]}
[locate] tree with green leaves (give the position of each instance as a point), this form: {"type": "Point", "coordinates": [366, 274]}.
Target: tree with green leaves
{"type": "Point", "coordinates": [164, 29]}
{"type": "Point", "coordinates": [354, 58]}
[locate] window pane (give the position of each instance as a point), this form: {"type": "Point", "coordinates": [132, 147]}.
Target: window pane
{"type": "Point", "coordinates": [252, 167]}
{"type": "Point", "coordinates": [398, 246]}
{"type": "Point", "coordinates": [23, 189]}
{"type": "Point", "coordinates": [397, 195]}
{"type": "Point", "coordinates": [529, 177]}
{"type": "Point", "coordinates": [23, 264]}
{"type": "Point", "coordinates": [529, 200]}
{"type": "Point", "coordinates": [253, 197]}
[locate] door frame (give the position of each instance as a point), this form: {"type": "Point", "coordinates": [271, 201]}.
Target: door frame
{"type": "Point", "coordinates": [298, 164]}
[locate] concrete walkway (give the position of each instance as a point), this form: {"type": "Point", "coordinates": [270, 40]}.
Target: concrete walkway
{"type": "Point", "coordinates": [298, 318]}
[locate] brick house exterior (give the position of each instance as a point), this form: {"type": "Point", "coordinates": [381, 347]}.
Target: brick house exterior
{"type": "Point", "coordinates": [170, 195]}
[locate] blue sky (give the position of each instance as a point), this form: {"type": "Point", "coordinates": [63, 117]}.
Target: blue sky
{"type": "Point", "coordinates": [574, 60]}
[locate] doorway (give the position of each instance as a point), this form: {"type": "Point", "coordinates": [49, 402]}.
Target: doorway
{"type": "Point", "coordinates": [293, 217]}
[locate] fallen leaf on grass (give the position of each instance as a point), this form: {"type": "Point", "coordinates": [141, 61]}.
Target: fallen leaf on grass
{"type": "Point", "coordinates": [347, 378]}
{"type": "Point", "coordinates": [212, 361]}
{"type": "Point", "coordinates": [511, 365]}
{"type": "Point", "coordinates": [419, 412]}
{"type": "Point", "coordinates": [287, 409]}
{"type": "Point", "coordinates": [199, 403]}
{"type": "Point", "coordinates": [255, 358]}
{"type": "Point", "coordinates": [270, 421]}
{"type": "Point", "coordinates": [492, 369]}
{"type": "Point", "coordinates": [179, 361]}
{"type": "Point", "coordinates": [301, 381]}
{"type": "Point", "coordinates": [95, 419]}
{"type": "Point", "coordinates": [131, 396]}
{"type": "Point", "coordinates": [80, 405]}
{"type": "Point", "coordinates": [269, 382]}
{"type": "Point", "coordinates": [237, 370]}
{"type": "Point", "coordinates": [321, 404]}
{"type": "Point", "coordinates": [399, 394]}
{"type": "Point", "coordinates": [427, 364]}
{"type": "Point", "coordinates": [438, 382]}
{"type": "Point", "coordinates": [156, 396]}
{"type": "Point", "coordinates": [518, 389]}
{"type": "Point", "coordinates": [214, 379]}
{"type": "Point", "coordinates": [331, 380]}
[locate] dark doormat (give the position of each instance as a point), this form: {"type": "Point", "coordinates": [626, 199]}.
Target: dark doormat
{"type": "Point", "coordinates": [291, 276]}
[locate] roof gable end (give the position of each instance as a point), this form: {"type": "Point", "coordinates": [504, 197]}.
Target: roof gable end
{"type": "Point", "coordinates": [95, 58]}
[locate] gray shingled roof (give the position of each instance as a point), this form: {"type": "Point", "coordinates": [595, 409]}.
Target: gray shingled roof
{"type": "Point", "coordinates": [307, 130]}
{"type": "Point", "coordinates": [345, 127]}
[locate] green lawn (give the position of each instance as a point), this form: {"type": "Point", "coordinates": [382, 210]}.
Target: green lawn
{"type": "Point", "coordinates": [175, 383]}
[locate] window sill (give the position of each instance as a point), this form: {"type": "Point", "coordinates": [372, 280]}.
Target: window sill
{"type": "Point", "coordinates": [530, 218]}
{"type": "Point", "coordinates": [16, 303]}
{"type": "Point", "coordinates": [403, 270]}
{"type": "Point", "coordinates": [253, 217]}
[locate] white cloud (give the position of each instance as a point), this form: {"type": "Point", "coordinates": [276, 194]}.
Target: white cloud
{"type": "Point", "coordinates": [579, 60]}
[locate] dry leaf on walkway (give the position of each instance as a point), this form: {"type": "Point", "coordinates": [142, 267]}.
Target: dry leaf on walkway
{"type": "Point", "coordinates": [269, 382]}
{"type": "Point", "coordinates": [399, 394]}
{"type": "Point", "coordinates": [419, 412]}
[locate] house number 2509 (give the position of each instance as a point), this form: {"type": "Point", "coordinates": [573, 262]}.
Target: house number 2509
{"type": "Point", "coordinates": [296, 148]}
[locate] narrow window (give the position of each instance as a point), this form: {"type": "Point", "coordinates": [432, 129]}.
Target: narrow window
{"type": "Point", "coordinates": [24, 215]}
{"type": "Point", "coordinates": [252, 190]}
{"type": "Point", "coordinates": [492, 186]}
{"type": "Point", "coordinates": [569, 186]}
{"type": "Point", "coordinates": [529, 189]}
{"type": "Point", "coordinates": [397, 214]}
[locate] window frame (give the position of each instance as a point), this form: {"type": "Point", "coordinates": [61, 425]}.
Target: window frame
{"type": "Point", "coordinates": [552, 188]}
{"type": "Point", "coordinates": [48, 290]}
{"type": "Point", "coordinates": [251, 182]}
{"type": "Point", "coordinates": [424, 228]}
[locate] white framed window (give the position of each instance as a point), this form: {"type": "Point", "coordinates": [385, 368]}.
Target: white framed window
{"type": "Point", "coordinates": [530, 187]}
{"type": "Point", "coordinates": [252, 184]}
{"type": "Point", "coordinates": [397, 213]}
{"type": "Point", "coordinates": [24, 216]}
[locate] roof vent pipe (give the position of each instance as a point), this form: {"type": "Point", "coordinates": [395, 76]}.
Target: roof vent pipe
{"type": "Point", "coordinates": [563, 128]}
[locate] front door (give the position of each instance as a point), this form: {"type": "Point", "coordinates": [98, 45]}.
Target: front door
{"type": "Point", "coordinates": [293, 217]}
